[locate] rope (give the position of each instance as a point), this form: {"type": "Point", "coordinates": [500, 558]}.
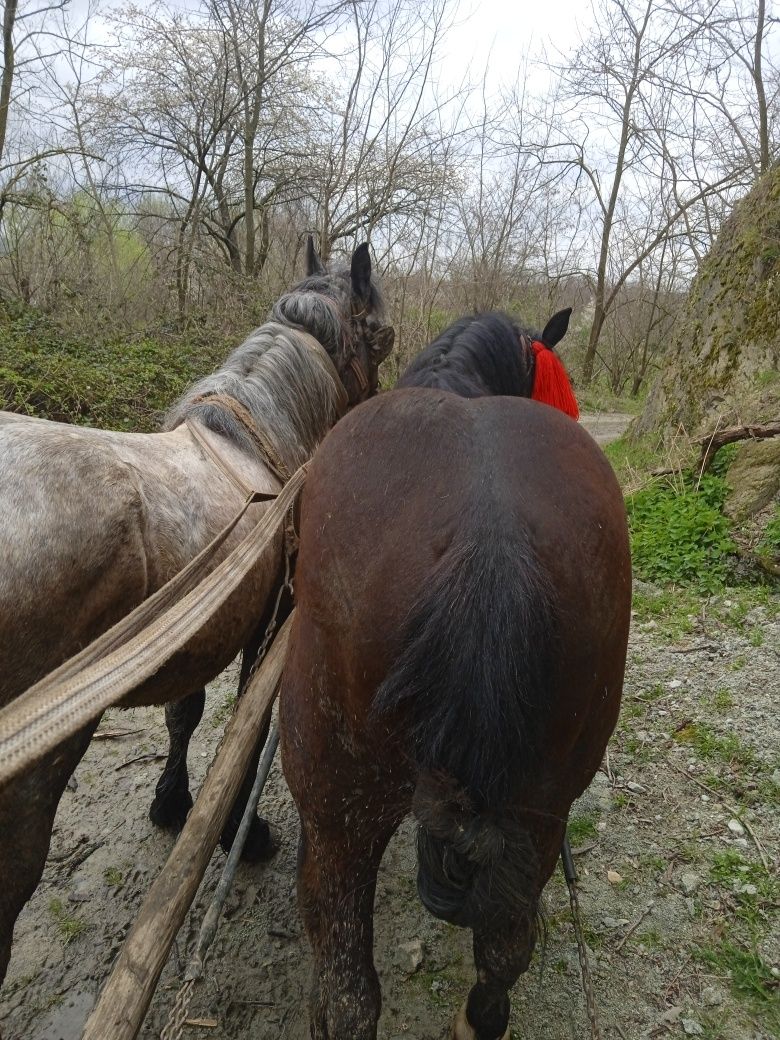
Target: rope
{"type": "Point", "coordinates": [570, 873]}
{"type": "Point", "coordinates": [132, 651]}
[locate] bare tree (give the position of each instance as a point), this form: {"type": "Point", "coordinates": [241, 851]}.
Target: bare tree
{"type": "Point", "coordinates": [377, 129]}
{"type": "Point", "coordinates": [35, 36]}
{"type": "Point", "coordinates": [617, 132]}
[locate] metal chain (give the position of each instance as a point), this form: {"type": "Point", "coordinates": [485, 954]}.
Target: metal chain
{"type": "Point", "coordinates": [270, 631]}
{"type": "Point", "coordinates": [177, 1018]}
{"type": "Point", "coordinates": [570, 874]}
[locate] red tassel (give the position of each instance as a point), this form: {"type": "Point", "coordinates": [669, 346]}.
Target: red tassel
{"type": "Point", "coordinates": [551, 383]}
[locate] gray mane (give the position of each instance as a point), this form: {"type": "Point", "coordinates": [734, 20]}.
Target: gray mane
{"type": "Point", "coordinates": [291, 390]}
{"type": "Point", "coordinates": [293, 394]}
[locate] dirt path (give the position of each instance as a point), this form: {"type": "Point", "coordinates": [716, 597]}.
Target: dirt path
{"type": "Point", "coordinates": [605, 426]}
{"type": "Point", "coordinates": [683, 932]}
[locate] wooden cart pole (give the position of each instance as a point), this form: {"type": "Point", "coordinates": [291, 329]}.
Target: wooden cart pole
{"type": "Point", "coordinates": [122, 1006]}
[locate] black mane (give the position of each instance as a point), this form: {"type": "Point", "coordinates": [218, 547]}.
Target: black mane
{"type": "Point", "coordinates": [478, 355]}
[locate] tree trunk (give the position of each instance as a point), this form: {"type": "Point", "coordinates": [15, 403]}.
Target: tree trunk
{"type": "Point", "coordinates": [763, 118]}
{"type": "Point", "coordinates": [9, 59]}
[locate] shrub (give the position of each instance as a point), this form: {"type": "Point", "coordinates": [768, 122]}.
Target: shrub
{"type": "Point", "coordinates": [114, 383]}
{"type": "Point", "coordinates": [679, 533]}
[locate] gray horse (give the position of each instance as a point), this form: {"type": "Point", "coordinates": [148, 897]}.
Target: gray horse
{"type": "Point", "coordinates": [92, 522]}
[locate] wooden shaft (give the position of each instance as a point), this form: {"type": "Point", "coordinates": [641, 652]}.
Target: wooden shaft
{"type": "Point", "coordinates": [122, 1006]}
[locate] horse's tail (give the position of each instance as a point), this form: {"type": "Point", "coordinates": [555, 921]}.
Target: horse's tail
{"type": "Point", "coordinates": [470, 682]}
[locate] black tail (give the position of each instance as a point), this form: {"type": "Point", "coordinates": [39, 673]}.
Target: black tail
{"type": "Point", "coordinates": [472, 678]}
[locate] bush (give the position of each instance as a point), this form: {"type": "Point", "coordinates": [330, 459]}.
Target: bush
{"type": "Point", "coordinates": [115, 383]}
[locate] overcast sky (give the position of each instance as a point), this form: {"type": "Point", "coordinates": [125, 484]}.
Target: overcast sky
{"type": "Point", "coordinates": [498, 33]}
{"type": "Point", "coordinates": [508, 32]}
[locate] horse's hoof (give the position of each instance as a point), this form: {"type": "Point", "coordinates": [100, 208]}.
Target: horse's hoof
{"type": "Point", "coordinates": [260, 843]}
{"type": "Point", "coordinates": [171, 811]}
{"type": "Point", "coordinates": [461, 1030]}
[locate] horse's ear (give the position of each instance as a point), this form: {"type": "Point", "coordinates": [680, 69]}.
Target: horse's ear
{"type": "Point", "coordinates": [382, 343]}
{"type": "Point", "coordinates": [360, 271]}
{"type": "Point", "coordinates": [556, 327]}
{"type": "Point", "coordinates": [313, 263]}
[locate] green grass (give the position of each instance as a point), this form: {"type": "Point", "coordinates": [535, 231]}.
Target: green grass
{"type": "Point", "coordinates": [768, 377]}
{"type": "Point", "coordinates": [631, 457]}
{"type": "Point", "coordinates": [596, 398]}
{"type": "Point", "coordinates": [640, 750]}
{"type": "Point", "coordinates": [653, 863]}
{"type": "Point", "coordinates": [769, 545]}
{"type": "Point", "coordinates": [581, 828]}
{"type": "Point", "coordinates": [114, 877]}
{"type": "Point", "coordinates": [654, 693]}
{"type": "Point", "coordinates": [751, 977]}
{"type": "Point", "coordinates": [721, 700]}
{"type": "Point", "coordinates": [673, 610]}
{"type": "Point", "coordinates": [713, 746]}
{"type": "Point", "coordinates": [224, 711]}
{"type": "Point", "coordinates": [737, 601]}
{"type": "Point", "coordinates": [738, 955]}
{"type": "Point", "coordinates": [651, 939]}
{"type": "Point", "coordinates": [730, 867]}
{"type": "Point", "coordinates": [69, 927]}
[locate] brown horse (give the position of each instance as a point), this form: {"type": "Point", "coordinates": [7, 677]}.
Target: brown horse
{"type": "Point", "coordinates": [92, 522]}
{"type": "Point", "coordinates": [463, 592]}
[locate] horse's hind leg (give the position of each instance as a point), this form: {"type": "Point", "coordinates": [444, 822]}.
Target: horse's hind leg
{"type": "Point", "coordinates": [337, 870]}
{"type": "Point", "coordinates": [28, 804]}
{"type": "Point", "coordinates": [503, 949]}
{"type": "Point", "coordinates": [172, 800]}
{"type": "Point", "coordinates": [259, 842]}
{"type": "Point", "coordinates": [501, 955]}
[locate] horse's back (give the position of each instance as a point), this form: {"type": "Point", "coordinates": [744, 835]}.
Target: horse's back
{"type": "Point", "coordinates": [404, 477]}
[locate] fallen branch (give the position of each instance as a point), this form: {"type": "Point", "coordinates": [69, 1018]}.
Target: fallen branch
{"type": "Point", "coordinates": [115, 734]}
{"type": "Point", "coordinates": [713, 442]}
{"type": "Point", "coordinates": [633, 928]}
{"type": "Point", "coordinates": [151, 756]}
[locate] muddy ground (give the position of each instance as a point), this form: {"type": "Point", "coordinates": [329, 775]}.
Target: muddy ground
{"type": "Point", "coordinates": [677, 845]}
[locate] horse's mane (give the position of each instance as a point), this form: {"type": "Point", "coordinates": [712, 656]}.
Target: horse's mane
{"type": "Point", "coordinates": [293, 394]}
{"type": "Point", "coordinates": [476, 356]}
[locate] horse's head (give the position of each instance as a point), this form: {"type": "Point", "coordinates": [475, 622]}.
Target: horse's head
{"type": "Point", "coordinates": [343, 310]}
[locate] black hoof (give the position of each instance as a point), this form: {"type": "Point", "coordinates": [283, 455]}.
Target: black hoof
{"type": "Point", "coordinates": [260, 844]}
{"type": "Point", "coordinates": [169, 811]}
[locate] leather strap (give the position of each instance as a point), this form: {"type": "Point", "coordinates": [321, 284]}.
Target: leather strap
{"type": "Point", "coordinates": [208, 448]}
{"type": "Point", "coordinates": [243, 416]}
